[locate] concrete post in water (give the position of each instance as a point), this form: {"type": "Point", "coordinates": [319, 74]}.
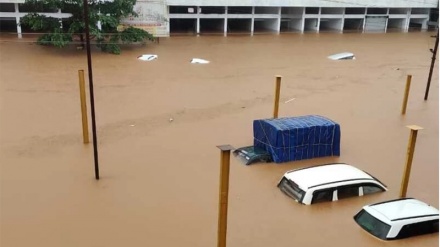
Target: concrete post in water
{"type": "Point", "coordinates": [223, 194]}
{"type": "Point", "coordinates": [405, 96]}
{"type": "Point", "coordinates": [82, 95]}
{"type": "Point", "coordinates": [409, 158]}
{"type": "Point", "coordinates": [277, 96]}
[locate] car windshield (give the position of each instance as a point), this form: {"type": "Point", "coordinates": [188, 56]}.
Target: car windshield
{"type": "Point", "coordinates": [291, 189]}
{"type": "Point", "coordinates": [372, 224]}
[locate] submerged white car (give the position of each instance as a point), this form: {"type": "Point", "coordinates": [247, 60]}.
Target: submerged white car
{"type": "Point", "coordinates": [330, 182]}
{"type": "Point", "coordinates": [397, 219]}
{"type": "Point", "coordinates": [342, 56]}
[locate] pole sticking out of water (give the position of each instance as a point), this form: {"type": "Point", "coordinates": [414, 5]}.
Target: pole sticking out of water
{"type": "Point", "coordinates": [405, 96]}
{"type": "Point", "coordinates": [92, 96]}
{"type": "Point", "coordinates": [82, 95]}
{"type": "Point", "coordinates": [225, 157]}
{"type": "Point", "coordinates": [277, 96]}
{"type": "Point", "coordinates": [409, 158]}
{"type": "Point", "coordinates": [434, 53]}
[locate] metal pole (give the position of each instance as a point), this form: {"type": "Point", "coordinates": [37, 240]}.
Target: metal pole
{"type": "Point", "coordinates": [82, 95]}
{"type": "Point", "coordinates": [434, 53]}
{"type": "Point", "coordinates": [405, 96]}
{"type": "Point", "coordinates": [409, 158]}
{"type": "Point", "coordinates": [92, 97]}
{"type": "Point", "coordinates": [223, 194]}
{"type": "Point", "coordinates": [277, 96]}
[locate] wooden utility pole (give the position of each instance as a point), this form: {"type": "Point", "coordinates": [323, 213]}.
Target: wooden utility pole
{"type": "Point", "coordinates": [225, 157]}
{"type": "Point", "coordinates": [405, 96]}
{"type": "Point", "coordinates": [434, 53]}
{"type": "Point", "coordinates": [82, 95]}
{"type": "Point", "coordinates": [409, 158]}
{"type": "Point", "coordinates": [277, 96]}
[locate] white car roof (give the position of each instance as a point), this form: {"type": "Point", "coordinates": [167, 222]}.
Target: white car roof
{"type": "Point", "coordinates": [324, 174]}
{"type": "Point", "coordinates": [341, 55]}
{"type": "Point", "coordinates": [400, 209]}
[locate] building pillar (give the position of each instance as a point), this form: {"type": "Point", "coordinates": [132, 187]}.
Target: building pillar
{"type": "Point", "coordinates": [252, 21]}
{"type": "Point", "coordinates": [60, 20]}
{"type": "Point", "coordinates": [279, 20]}
{"type": "Point", "coordinates": [365, 20]}
{"type": "Point", "coordinates": [386, 22]}
{"type": "Point", "coordinates": [17, 21]}
{"type": "Point", "coordinates": [225, 23]}
{"type": "Point", "coordinates": [303, 19]}
{"type": "Point", "coordinates": [425, 24]}
{"type": "Point", "coordinates": [341, 29]}
{"type": "Point", "coordinates": [408, 18]}
{"type": "Point", "coordinates": [198, 25]}
{"type": "Point", "coordinates": [168, 23]}
{"type": "Point", "coordinates": [343, 20]}
{"type": "Point", "coordinates": [318, 25]}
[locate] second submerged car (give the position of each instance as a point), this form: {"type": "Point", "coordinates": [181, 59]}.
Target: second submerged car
{"type": "Point", "coordinates": [330, 182]}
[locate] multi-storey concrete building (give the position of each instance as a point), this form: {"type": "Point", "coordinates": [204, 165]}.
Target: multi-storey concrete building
{"type": "Point", "coordinates": [252, 16]}
{"type": "Point", "coordinates": [165, 17]}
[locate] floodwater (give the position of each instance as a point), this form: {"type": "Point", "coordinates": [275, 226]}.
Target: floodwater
{"type": "Point", "coordinates": [159, 178]}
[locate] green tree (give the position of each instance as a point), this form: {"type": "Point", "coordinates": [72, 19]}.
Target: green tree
{"type": "Point", "coordinates": [108, 13]}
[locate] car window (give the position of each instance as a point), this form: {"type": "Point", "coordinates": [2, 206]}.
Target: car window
{"type": "Point", "coordinates": [372, 225]}
{"type": "Point", "coordinates": [322, 196]}
{"type": "Point", "coordinates": [348, 191]}
{"type": "Point", "coordinates": [291, 189]}
{"type": "Point", "coordinates": [371, 188]}
{"type": "Point", "coordinates": [419, 228]}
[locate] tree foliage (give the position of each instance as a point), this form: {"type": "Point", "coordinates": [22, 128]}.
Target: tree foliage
{"type": "Point", "coordinates": [61, 33]}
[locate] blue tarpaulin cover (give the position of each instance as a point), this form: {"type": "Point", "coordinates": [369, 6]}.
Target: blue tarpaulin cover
{"type": "Point", "coordinates": [298, 138]}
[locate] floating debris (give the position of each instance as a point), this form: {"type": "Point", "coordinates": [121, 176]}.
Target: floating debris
{"type": "Point", "coordinates": [292, 99]}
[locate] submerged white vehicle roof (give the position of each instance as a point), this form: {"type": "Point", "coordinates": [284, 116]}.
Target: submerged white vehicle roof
{"type": "Point", "coordinates": [342, 56]}
{"type": "Point", "coordinates": [199, 60]}
{"type": "Point", "coordinates": [148, 57]}
{"type": "Point", "coordinates": [314, 176]}
{"type": "Point", "coordinates": [400, 209]}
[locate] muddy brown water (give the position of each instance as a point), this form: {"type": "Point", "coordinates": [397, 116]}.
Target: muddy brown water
{"type": "Point", "coordinates": [159, 179]}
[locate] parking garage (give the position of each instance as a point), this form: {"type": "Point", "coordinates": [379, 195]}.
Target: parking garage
{"type": "Point", "coordinates": [250, 20]}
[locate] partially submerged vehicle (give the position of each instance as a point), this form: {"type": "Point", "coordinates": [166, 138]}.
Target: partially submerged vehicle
{"type": "Point", "coordinates": [397, 219]}
{"type": "Point", "coordinates": [297, 138]}
{"type": "Point", "coordinates": [292, 138]}
{"type": "Point", "coordinates": [148, 57]}
{"type": "Point", "coordinates": [342, 56]}
{"type": "Point", "coordinates": [199, 60]}
{"type": "Point", "coordinates": [251, 154]}
{"type": "Point", "coordinates": [329, 182]}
